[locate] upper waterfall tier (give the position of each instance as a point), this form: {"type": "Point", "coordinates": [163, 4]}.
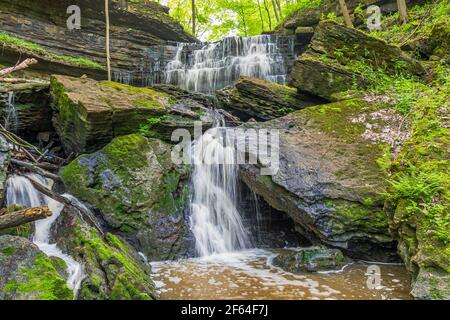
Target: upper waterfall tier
{"type": "Point", "coordinates": [212, 66]}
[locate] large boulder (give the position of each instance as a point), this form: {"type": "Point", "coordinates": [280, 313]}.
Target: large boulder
{"type": "Point", "coordinates": [262, 100]}
{"type": "Point", "coordinates": [89, 114]}
{"type": "Point", "coordinates": [312, 259]}
{"type": "Point", "coordinates": [330, 179]}
{"type": "Point", "coordinates": [26, 273]}
{"type": "Point", "coordinates": [30, 103]}
{"type": "Point", "coordinates": [327, 67]}
{"type": "Point", "coordinates": [137, 190]}
{"type": "Point", "coordinates": [113, 270]}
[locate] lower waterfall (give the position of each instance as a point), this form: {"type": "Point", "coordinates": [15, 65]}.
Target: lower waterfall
{"type": "Point", "coordinates": [215, 221]}
{"type": "Point", "coordinates": [20, 191]}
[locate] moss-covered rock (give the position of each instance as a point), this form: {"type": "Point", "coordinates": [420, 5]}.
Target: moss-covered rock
{"type": "Point", "coordinates": [262, 100]}
{"type": "Point", "coordinates": [26, 273]}
{"type": "Point", "coordinates": [89, 113]}
{"type": "Point", "coordinates": [137, 189]}
{"type": "Point", "coordinates": [112, 268]}
{"type": "Point", "coordinates": [329, 179]}
{"type": "Point", "coordinates": [311, 259]}
{"type": "Point", "coordinates": [328, 65]}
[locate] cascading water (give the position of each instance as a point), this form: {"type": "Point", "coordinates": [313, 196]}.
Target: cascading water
{"type": "Point", "coordinates": [215, 220]}
{"type": "Point", "coordinates": [21, 191]}
{"type": "Point", "coordinates": [219, 64]}
{"type": "Point", "coordinates": [11, 119]}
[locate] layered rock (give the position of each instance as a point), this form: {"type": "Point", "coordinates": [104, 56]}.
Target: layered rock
{"type": "Point", "coordinates": [89, 114]}
{"type": "Point", "coordinates": [310, 259]}
{"type": "Point", "coordinates": [330, 181]}
{"type": "Point", "coordinates": [137, 190]}
{"type": "Point", "coordinates": [262, 100]}
{"type": "Point", "coordinates": [26, 273]}
{"type": "Point", "coordinates": [31, 104]}
{"type": "Point", "coordinates": [113, 269]}
{"type": "Point", "coordinates": [328, 66]}
{"type": "Point", "coordinates": [133, 30]}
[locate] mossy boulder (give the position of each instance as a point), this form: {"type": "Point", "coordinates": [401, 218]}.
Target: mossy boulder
{"type": "Point", "coordinates": [330, 179]}
{"type": "Point", "coordinates": [310, 259]}
{"type": "Point", "coordinates": [137, 190]}
{"type": "Point", "coordinates": [26, 273]}
{"type": "Point", "coordinates": [328, 65]}
{"type": "Point", "coordinates": [89, 114]}
{"type": "Point", "coordinates": [112, 268]}
{"type": "Point", "coordinates": [262, 100]}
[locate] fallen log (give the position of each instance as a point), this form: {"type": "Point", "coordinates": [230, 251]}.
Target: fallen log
{"type": "Point", "coordinates": [36, 169]}
{"type": "Point", "coordinates": [55, 196]}
{"type": "Point", "coordinates": [18, 218]}
{"type": "Point", "coordinates": [20, 80]}
{"type": "Point", "coordinates": [23, 65]}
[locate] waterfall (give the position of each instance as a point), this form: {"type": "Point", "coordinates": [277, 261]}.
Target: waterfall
{"type": "Point", "coordinates": [11, 119]}
{"type": "Point", "coordinates": [217, 65]}
{"type": "Point", "coordinates": [20, 191]}
{"type": "Point", "coordinates": [215, 221]}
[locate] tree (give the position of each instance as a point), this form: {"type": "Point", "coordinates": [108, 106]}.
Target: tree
{"type": "Point", "coordinates": [346, 14]}
{"type": "Point", "coordinates": [193, 17]}
{"type": "Point", "coordinates": [403, 11]}
{"type": "Point", "coordinates": [260, 15]}
{"type": "Point", "coordinates": [108, 53]}
{"type": "Point", "coordinates": [275, 11]}
{"type": "Point", "coordinates": [268, 14]}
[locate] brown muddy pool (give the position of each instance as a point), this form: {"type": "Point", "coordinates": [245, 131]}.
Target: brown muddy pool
{"type": "Point", "coordinates": [250, 275]}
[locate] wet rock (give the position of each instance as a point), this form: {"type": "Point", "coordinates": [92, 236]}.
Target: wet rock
{"type": "Point", "coordinates": [26, 273]}
{"type": "Point", "coordinates": [262, 100]}
{"type": "Point", "coordinates": [113, 269]}
{"type": "Point", "coordinates": [89, 114]}
{"type": "Point", "coordinates": [310, 259]}
{"type": "Point", "coordinates": [431, 284]}
{"type": "Point", "coordinates": [32, 106]}
{"type": "Point", "coordinates": [137, 190]}
{"type": "Point", "coordinates": [4, 164]}
{"type": "Point", "coordinates": [330, 179]}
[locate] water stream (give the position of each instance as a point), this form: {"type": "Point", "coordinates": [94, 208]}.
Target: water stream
{"type": "Point", "coordinates": [11, 118]}
{"type": "Point", "coordinates": [21, 191]}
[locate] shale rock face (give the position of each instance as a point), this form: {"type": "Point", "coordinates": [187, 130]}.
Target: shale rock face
{"type": "Point", "coordinates": [26, 273]}
{"type": "Point", "coordinates": [134, 29]}
{"type": "Point", "coordinates": [113, 269]}
{"type": "Point", "coordinates": [327, 67]}
{"type": "Point", "coordinates": [262, 100]}
{"type": "Point", "coordinates": [330, 181]}
{"type": "Point", "coordinates": [89, 114]}
{"type": "Point", "coordinates": [32, 106]}
{"type": "Point", "coordinates": [137, 190]}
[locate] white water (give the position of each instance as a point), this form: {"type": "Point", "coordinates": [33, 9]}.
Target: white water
{"type": "Point", "coordinates": [219, 64]}
{"type": "Point", "coordinates": [11, 119]}
{"type": "Point", "coordinates": [20, 191]}
{"type": "Point", "coordinates": [215, 220]}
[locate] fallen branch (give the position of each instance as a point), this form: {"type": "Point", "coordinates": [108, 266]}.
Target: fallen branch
{"type": "Point", "coordinates": [23, 65]}
{"type": "Point", "coordinates": [18, 218]}
{"type": "Point", "coordinates": [20, 80]}
{"type": "Point", "coordinates": [49, 193]}
{"type": "Point", "coordinates": [36, 169]}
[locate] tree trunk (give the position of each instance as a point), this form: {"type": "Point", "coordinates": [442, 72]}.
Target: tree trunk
{"type": "Point", "coordinates": [403, 11]}
{"type": "Point", "coordinates": [24, 64]}
{"type": "Point", "coordinates": [18, 218]}
{"type": "Point", "coordinates": [261, 15]}
{"type": "Point", "coordinates": [346, 14]}
{"type": "Point", "coordinates": [275, 10]}
{"type": "Point", "coordinates": [193, 18]}
{"type": "Point", "coordinates": [279, 6]}
{"type": "Point", "coordinates": [268, 14]}
{"type": "Point", "coordinates": [108, 53]}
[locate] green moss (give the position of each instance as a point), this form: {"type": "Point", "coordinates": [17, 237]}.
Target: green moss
{"type": "Point", "coordinates": [42, 280]}
{"type": "Point", "coordinates": [8, 251]}
{"type": "Point", "coordinates": [9, 40]}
